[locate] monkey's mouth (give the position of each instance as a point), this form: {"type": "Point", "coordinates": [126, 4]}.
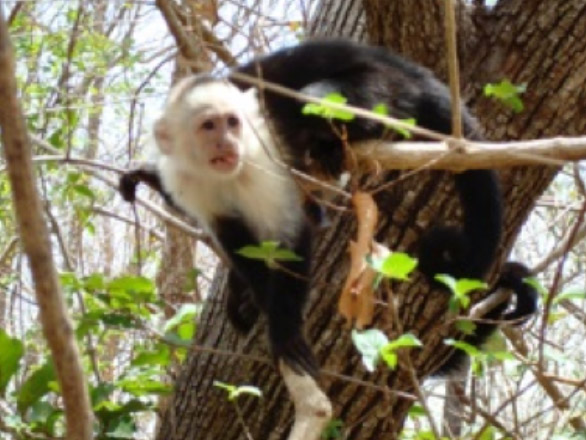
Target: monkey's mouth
{"type": "Point", "coordinates": [225, 162]}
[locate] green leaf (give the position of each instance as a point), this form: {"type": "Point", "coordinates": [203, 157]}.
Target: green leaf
{"type": "Point", "coordinates": [404, 341]}
{"type": "Point", "coordinates": [416, 410]}
{"type": "Point", "coordinates": [142, 386]}
{"type": "Point", "coordinates": [134, 284]}
{"type": "Point", "coordinates": [488, 433]}
{"type": "Point", "coordinates": [469, 349]}
{"type": "Point", "coordinates": [186, 331]}
{"type": "Point", "coordinates": [101, 393]}
{"type": "Point", "coordinates": [383, 110]}
{"type": "Point", "coordinates": [185, 314]}
{"type": "Point", "coordinates": [570, 295]}
{"type": "Point", "coordinates": [11, 351]}
{"type": "Point", "coordinates": [160, 356]}
{"type": "Point", "coordinates": [94, 282]}
{"type": "Point", "coordinates": [389, 351]}
{"type": "Point", "coordinates": [465, 286]}
{"type": "Point", "coordinates": [508, 93]}
{"type": "Point", "coordinates": [502, 356]}
{"type": "Point", "coordinates": [325, 110]}
{"type": "Point", "coordinates": [333, 430]}
{"type": "Point", "coordinates": [123, 427]}
{"type": "Point", "coordinates": [389, 357]}
{"type": "Point", "coordinates": [460, 289]}
{"type": "Point", "coordinates": [41, 412]}
{"type": "Point", "coordinates": [236, 391]}
{"type": "Point", "coordinates": [405, 132]}
{"type": "Point", "coordinates": [448, 280]}
{"type": "Point", "coordinates": [466, 326]}
{"type": "Point", "coordinates": [427, 435]}
{"type": "Point", "coordinates": [119, 320]}
{"type": "Point", "coordinates": [369, 344]}
{"type": "Point", "coordinates": [269, 252]}
{"type": "Point", "coordinates": [396, 265]}
{"type": "Point", "coordinates": [84, 191]}
{"type": "Point", "coordinates": [38, 384]}
{"type": "Point", "coordinates": [69, 280]}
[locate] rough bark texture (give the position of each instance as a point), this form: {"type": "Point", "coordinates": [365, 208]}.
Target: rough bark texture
{"type": "Point", "coordinates": [541, 43]}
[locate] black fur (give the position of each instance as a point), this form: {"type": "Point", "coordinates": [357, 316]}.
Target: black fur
{"type": "Point", "coordinates": [366, 76]}
{"type": "Point", "coordinates": [279, 293]}
{"type": "Point", "coordinates": [148, 174]}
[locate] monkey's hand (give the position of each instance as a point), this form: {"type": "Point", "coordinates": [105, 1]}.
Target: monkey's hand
{"type": "Point", "coordinates": [146, 173]}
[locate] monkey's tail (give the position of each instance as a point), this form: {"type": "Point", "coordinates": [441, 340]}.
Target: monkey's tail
{"type": "Point", "coordinates": [467, 251]}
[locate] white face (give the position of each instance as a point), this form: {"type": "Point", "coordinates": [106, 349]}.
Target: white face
{"type": "Point", "coordinates": [204, 130]}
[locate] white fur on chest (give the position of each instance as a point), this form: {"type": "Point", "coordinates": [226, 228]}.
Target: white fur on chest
{"type": "Point", "coordinates": [264, 195]}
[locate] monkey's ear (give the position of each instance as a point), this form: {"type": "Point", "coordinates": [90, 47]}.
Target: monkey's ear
{"type": "Point", "coordinates": [251, 99]}
{"type": "Point", "coordinates": [163, 136]}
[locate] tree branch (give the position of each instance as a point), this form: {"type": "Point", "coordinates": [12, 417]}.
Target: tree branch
{"type": "Point", "coordinates": [35, 238]}
{"type": "Point", "coordinates": [473, 155]}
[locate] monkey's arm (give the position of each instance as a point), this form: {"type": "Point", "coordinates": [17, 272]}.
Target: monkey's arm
{"type": "Point", "coordinates": [147, 173]}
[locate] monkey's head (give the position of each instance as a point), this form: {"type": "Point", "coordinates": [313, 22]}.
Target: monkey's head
{"type": "Point", "coordinates": [206, 129]}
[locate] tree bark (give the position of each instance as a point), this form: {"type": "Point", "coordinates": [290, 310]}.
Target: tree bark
{"type": "Point", "coordinates": [540, 43]}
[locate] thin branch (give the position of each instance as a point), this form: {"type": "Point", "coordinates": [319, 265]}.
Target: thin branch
{"type": "Point", "coordinates": [453, 68]}
{"type": "Point", "coordinates": [34, 235]}
{"type": "Point", "coordinates": [209, 38]}
{"type": "Point", "coordinates": [89, 166]}
{"type": "Point", "coordinates": [556, 395]}
{"type": "Point", "coordinates": [106, 213]}
{"type": "Point", "coordinates": [565, 245]}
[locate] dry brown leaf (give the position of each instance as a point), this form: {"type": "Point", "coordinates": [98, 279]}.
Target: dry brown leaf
{"type": "Point", "coordinates": [357, 299]}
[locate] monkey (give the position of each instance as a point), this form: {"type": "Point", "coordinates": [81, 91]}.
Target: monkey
{"type": "Point", "coordinates": [218, 165]}
{"type": "Point", "coordinates": [223, 142]}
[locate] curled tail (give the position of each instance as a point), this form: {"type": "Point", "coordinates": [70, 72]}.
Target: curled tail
{"type": "Point", "coordinates": [516, 309]}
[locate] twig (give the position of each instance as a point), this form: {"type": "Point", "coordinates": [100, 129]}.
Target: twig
{"type": "Point", "coordinates": [453, 68]}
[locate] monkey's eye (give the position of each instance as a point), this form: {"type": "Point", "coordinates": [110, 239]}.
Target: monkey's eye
{"type": "Point", "coordinates": [208, 124]}
{"type": "Point", "coordinates": [233, 121]}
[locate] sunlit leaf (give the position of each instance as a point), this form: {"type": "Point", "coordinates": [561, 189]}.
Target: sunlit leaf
{"type": "Point", "coordinates": [37, 385]}
{"type": "Point", "coordinates": [369, 344]}
{"type": "Point", "coordinates": [508, 93]}
{"type": "Point", "coordinates": [235, 391]}
{"type": "Point", "coordinates": [396, 265]}
{"type": "Point", "coordinates": [325, 110]}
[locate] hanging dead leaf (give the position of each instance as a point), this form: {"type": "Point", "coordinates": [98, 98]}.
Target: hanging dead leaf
{"type": "Point", "coordinates": [357, 299]}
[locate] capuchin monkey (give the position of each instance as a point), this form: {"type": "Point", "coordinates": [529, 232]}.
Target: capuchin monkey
{"type": "Point", "coordinates": [223, 143]}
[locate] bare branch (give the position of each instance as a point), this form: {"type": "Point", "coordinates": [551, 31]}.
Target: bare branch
{"type": "Point", "coordinates": [34, 235]}
{"type": "Point", "coordinates": [453, 69]}
{"type": "Point", "coordinates": [473, 155]}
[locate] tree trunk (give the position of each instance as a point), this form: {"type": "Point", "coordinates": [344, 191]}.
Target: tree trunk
{"type": "Point", "coordinates": [539, 43]}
